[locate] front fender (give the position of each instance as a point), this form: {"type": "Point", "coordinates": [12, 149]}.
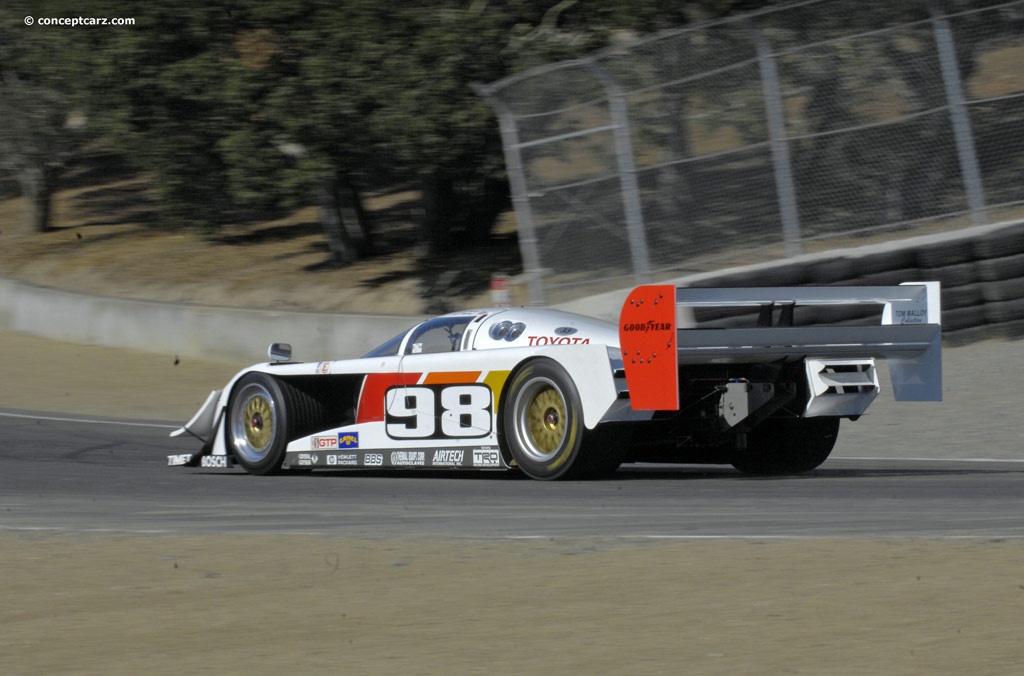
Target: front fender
{"type": "Point", "coordinates": [203, 424]}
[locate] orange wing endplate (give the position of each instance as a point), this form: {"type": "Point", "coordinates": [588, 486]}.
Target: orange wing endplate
{"type": "Point", "coordinates": [647, 335]}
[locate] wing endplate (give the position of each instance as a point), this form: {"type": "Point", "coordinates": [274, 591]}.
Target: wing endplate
{"type": "Point", "coordinates": [647, 336]}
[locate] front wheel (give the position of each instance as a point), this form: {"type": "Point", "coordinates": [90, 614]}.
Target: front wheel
{"type": "Point", "coordinates": [263, 415]}
{"type": "Point", "coordinates": [787, 446]}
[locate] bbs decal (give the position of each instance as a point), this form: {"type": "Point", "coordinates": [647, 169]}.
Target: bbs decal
{"type": "Point", "coordinates": [438, 412]}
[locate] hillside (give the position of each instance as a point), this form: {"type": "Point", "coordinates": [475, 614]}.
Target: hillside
{"type": "Point", "coordinates": [106, 240]}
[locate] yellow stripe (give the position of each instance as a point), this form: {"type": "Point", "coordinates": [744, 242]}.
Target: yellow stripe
{"type": "Point", "coordinates": [496, 381]}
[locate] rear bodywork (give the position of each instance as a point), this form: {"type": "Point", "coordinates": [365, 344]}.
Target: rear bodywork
{"type": "Point", "coordinates": [710, 387]}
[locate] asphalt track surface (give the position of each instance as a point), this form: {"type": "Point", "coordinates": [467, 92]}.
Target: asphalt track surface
{"type": "Point", "coordinates": [948, 469]}
{"type": "Point", "coordinates": [94, 474]}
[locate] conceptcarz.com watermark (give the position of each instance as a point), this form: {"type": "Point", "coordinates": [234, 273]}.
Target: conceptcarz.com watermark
{"type": "Point", "coordinates": [79, 21]}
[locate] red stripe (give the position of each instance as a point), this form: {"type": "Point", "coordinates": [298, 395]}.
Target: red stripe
{"type": "Point", "coordinates": [371, 399]}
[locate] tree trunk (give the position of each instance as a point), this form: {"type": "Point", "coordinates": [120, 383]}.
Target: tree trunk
{"type": "Point", "coordinates": [493, 200]}
{"type": "Point", "coordinates": [343, 248]}
{"type": "Point", "coordinates": [438, 208]}
{"type": "Point", "coordinates": [37, 187]}
{"type": "Point", "coordinates": [354, 218]}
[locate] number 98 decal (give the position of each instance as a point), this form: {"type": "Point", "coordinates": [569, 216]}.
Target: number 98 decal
{"type": "Point", "coordinates": [438, 411]}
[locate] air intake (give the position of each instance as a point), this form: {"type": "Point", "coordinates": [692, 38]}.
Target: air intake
{"type": "Point", "coordinates": [840, 387]}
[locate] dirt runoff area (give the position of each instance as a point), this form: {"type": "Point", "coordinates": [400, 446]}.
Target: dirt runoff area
{"type": "Point", "coordinates": [121, 603]}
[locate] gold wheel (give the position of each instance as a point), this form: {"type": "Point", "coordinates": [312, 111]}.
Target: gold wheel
{"type": "Point", "coordinates": [545, 421]}
{"type": "Point", "coordinates": [542, 420]}
{"type": "Point", "coordinates": [256, 424]}
{"type": "Point", "coordinates": [259, 422]}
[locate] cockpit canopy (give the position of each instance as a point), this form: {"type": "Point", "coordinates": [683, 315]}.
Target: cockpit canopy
{"type": "Point", "coordinates": [499, 328]}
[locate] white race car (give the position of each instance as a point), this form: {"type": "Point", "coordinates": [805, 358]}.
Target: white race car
{"type": "Point", "coordinates": [560, 395]}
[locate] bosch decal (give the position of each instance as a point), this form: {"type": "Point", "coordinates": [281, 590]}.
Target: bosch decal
{"type": "Point", "coordinates": [214, 461]}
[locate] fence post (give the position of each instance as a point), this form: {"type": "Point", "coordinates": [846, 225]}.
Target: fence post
{"type": "Point", "coordinates": [776, 119]}
{"type": "Point", "coordinates": [520, 198]}
{"type": "Point", "coordinates": [627, 174]}
{"type": "Point", "coordinates": [958, 115]}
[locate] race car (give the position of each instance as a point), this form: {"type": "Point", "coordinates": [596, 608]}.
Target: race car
{"type": "Point", "coordinates": [559, 395]}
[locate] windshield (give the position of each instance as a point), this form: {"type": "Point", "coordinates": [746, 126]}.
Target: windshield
{"type": "Point", "coordinates": [388, 349]}
{"type": "Point", "coordinates": [442, 334]}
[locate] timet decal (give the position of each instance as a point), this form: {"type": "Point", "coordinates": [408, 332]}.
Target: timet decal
{"type": "Point", "coordinates": [348, 440]}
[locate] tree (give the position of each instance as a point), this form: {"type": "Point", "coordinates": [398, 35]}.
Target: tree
{"type": "Point", "coordinates": [43, 121]}
{"type": "Point", "coordinates": [233, 108]}
{"type": "Point", "coordinates": [159, 86]}
{"type": "Point", "coordinates": [305, 86]}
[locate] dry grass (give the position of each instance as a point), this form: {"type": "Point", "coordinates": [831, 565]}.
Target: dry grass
{"type": "Point", "coordinates": [107, 241]}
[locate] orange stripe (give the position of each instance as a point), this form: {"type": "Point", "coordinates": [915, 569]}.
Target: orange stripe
{"type": "Point", "coordinates": [451, 377]}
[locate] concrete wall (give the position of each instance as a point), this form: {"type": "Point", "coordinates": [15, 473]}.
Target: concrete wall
{"type": "Point", "coordinates": [981, 269]}
{"type": "Point", "coordinates": [189, 330]}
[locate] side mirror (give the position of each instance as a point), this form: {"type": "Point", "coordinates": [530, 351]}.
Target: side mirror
{"type": "Point", "coordinates": [280, 352]}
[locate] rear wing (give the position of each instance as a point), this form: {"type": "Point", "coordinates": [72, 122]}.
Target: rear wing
{"type": "Point", "coordinates": [653, 346]}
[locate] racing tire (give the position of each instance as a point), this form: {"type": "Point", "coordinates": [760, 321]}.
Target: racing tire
{"type": "Point", "coordinates": [781, 446]}
{"type": "Point", "coordinates": [264, 414]}
{"type": "Point", "coordinates": [542, 421]}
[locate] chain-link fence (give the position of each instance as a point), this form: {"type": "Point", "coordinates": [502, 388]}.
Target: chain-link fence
{"type": "Point", "coordinates": [763, 136]}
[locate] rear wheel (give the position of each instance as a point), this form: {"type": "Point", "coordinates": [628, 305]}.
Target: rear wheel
{"type": "Point", "coordinates": [787, 446]}
{"type": "Point", "coordinates": [542, 420]}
